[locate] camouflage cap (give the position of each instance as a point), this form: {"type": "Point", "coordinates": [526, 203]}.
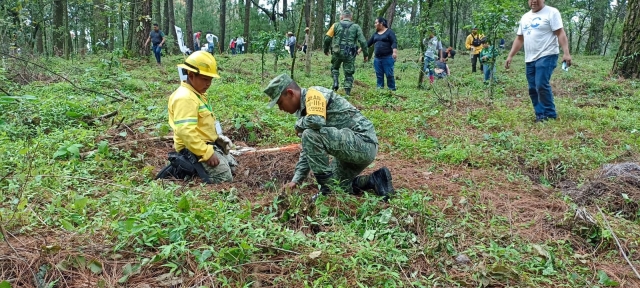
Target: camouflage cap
{"type": "Point", "coordinates": [346, 13]}
{"type": "Point", "coordinates": [275, 88]}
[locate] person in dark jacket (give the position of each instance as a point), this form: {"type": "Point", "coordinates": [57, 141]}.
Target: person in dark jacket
{"type": "Point", "coordinates": [385, 51]}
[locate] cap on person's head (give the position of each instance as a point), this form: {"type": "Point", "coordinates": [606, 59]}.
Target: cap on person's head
{"type": "Point", "coordinates": [289, 33]}
{"type": "Point", "coordinates": [306, 29]}
{"type": "Point", "coordinates": [474, 28]}
{"type": "Point", "coordinates": [346, 13]}
{"type": "Point", "coordinates": [276, 87]}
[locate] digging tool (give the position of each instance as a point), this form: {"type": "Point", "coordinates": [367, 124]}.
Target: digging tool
{"type": "Point", "coordinates": [240, 150]}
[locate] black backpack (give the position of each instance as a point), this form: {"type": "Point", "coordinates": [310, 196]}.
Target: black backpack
{"type": "Point", "coordinates": [184, 164]}
{"type": "Point", "coordinates": [476, 41]}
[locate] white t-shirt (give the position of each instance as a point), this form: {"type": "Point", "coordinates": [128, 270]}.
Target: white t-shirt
{"type": "Point", "coordinates": [537, 30]}
{"type": "Point", "coordinates": [210, 38]}
{"type": "Point", "coordinates": [433, 46]}
{"type": "Point", "coordinates": [240, 41]}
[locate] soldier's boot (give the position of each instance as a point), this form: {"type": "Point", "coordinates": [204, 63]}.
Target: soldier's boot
{"type": "Point", "coordinates": [379, 181]}
{"type": "Point", "coordinates": [323, 180]}
{"type": "Point", "coordinates": [347, 91]}
{"type": "Point", "coordinates": [336, 83]}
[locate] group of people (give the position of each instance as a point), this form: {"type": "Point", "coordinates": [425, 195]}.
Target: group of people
{"type": "Point", "coordinates": [330, 126]}
{"type": "Point", "coordinates": [327, 123]}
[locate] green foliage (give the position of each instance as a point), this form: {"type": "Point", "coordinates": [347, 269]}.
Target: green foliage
{"type": "Point", "coordinates": [413, 240]}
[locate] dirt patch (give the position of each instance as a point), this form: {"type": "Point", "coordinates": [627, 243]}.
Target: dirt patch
{"type": "Point", "coordinates": [616, 188]}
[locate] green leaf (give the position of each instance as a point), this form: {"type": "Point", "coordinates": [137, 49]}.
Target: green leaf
{"type": "Point", "coordinates": [66, 224]}
{"type": "Point", "coordinates": [604, 279]}
{"type": "Point", "coordinates": [73, 114]}
{"type": "Point", "coordinates": [61, 152]}
{"type": "Point", "coordinates": [103, 147]}
{"type": "Point", "coordinates": [74, 149]}
{"type": "Point", "coordinates": [95, 266]}
{"type": "Point", "coordinates": [5, 284]}
{"type": "Point", "coordinates": [205, 255]}
{"type": "Point", "coordinates": [369, 235]}
{"type": "Point", "coordinates": [123, 134]}
{"type": "Point", "coordinates": [80, 203]}
{"type": "Point", "coordinates": [183, 204]}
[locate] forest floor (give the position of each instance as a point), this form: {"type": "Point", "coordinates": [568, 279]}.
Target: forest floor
{"type": "Point", "coordinates": [485, 196]}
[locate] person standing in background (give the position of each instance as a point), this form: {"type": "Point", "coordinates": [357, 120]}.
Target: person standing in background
{"type": "Point", "coordinates": [385, 52]}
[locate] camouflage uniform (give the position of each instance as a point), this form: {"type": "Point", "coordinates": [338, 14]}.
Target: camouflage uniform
{"type": "Point", "coordinates": [330, 126]}
{"type": "Point", "coordinates": [342, 38]}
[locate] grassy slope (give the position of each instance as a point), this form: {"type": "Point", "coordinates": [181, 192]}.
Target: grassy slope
{"type": "Point", "coordinates": [485, 184]}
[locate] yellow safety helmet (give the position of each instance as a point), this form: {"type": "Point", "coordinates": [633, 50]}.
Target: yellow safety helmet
{"type": "Point", "coordinates": [202, 63]}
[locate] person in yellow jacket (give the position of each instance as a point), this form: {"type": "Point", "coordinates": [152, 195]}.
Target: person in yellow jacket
{"type": "Point", "coordinates": [474, 45]}
{"type": "Point", "coordinates": [193, 122]}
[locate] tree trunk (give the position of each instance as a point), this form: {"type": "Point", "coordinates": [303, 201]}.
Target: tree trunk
{"type": "Point", "coordinates": [143, 33]}
{"type": "Point", "coordinates": [223, 25]}
{"type": "Point", "coordinates": [132, 26]}
{"type": "Point", "coordinates": [58, 26]}
{"type": "Point", "coordinates": [627, 63]}
{"type": "Point", "coordinates": [332, 15]}
{"type": "Point", "coordinates": [366, 19]}
{"type": "Point", "coordinates": [319, 30]}
{"type": "Point", "coordinates": [613, 26]}
{"type": "Point", "coordinates": [284, 9]}
{"type": "Point", "coordinates": [188, 20]}
{"type": "Point", "coordinates": [307, 56]}
{"type": "Point", "coordinates": [596, 27]}
{"type": "Point", "coordinates": [247, 18]}
{"type": "Point", "coordinates": [307, 14]}
{"type": "Point", "coordinates": [165, 17]}
{"type": "Point", "coordinates": [156, 12]}
{"type": "Point", "coordinates": [68, 48]}
{"type": "Point", "coordinates": [391, 12]}
{"type": "Point", "coordinates": [172, 29]}
{"type": "Point", "coordinates": [39, 38]}
{"type": "Point", "coordinates": [414, 11]}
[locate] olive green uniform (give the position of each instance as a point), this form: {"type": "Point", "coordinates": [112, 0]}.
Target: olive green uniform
{"type": "Point", "coordinates": [341, 39]}
{"type": "Point", "coordinates": [345, 134]}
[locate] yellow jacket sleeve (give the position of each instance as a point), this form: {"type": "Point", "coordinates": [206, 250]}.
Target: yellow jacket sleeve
{"type": "Point", "coordinates": [468, 42]}
{"type": "Point", "coordinates": [185, 122]}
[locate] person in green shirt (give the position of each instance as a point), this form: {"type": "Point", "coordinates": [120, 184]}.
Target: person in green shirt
{"type": "Point", "coordinates": [488, 57]}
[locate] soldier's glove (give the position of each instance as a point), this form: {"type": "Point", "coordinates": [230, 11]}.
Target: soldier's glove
{"type": "Point", "coordinates": [225, 143]}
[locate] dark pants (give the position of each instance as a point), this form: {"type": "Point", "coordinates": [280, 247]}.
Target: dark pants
{"type": "Point", "coordinates": [538, 75]}
{"type": "Point", "coordinates": [196, 47]}
{"type": "Point", "coordinates": [292, 50]}
{"type": "Point", "coordinates": [156, 48]}
{"type": "Point", "coordinates": [384, 67]}
{"type": "Point", "coordinates": [304, 49]}
{"type": "Point", "coordinates": [233, 51]}
{"type": "Point", "coordinates": [474, 60]}
{"type": "Point", "coordinates": [239, 48]}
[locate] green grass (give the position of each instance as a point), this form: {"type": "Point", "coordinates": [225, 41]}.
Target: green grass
{"type": "Point", "coordinates": [483, 156]}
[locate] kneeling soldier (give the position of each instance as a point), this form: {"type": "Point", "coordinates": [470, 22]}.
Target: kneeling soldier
{"type": "Point", "coordinates": [330, 126]}
{"type": "Point", "coordinates": [193, 121]}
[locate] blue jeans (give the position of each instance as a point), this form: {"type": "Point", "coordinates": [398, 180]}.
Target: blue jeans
{"type": "Point", "coordinates": [428, 65]}
{"type": "Point", "coordinates": [538, 75]}
{"type": "Point", "coordinates": [196, 47]}
{"type": "Point", "coordinates": [384, 66]}
{"type": "Point", "coordinates": [156, 48]}
{"type": "Point", "coordinates": [488, 74]}
{"type": "Point", "coordinates": [211, 47]}
{"type": "Point", "coordinates": [233, 51]}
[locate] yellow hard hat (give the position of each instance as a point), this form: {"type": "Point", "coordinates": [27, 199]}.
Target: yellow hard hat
{"type": "Point", "coordinates": [202, 63]}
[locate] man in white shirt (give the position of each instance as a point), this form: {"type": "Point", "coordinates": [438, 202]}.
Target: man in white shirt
{"type": "Point", "coordinates": [240, 45]}
{"type": "Point", "coordinates": [291, 43]}
{"type": "Point", "coordinates": [210, 41]}
{"type": "Point", "coordinates": [541, 32]}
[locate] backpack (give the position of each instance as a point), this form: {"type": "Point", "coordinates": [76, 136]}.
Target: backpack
{"type": "Point", "coordinates": [183, 164]}
{"type": "Point", "coordinates": [476, 41]}
{"type": "Point", "coordinates": [346, 49]}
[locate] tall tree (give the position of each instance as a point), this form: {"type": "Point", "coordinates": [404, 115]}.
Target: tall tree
{"type": "Point", "coordinates": [307, 14]}
{"type": "Point", "coordinates": [391, 12]}
{"type": "Point", "coordinates": [165, 16]}
{"type": "Point", "coordinates": [307, 56]}
{"type": "Point", "coordinates": [318, 30]}
{"type": "Point", "coordinates": [144, 22]}
{"type": "Point", "coordinates": [59, 9]}
{"type": "Point", "coordinates": [626, 63]}
{"type": "Point", "coordinates": [619, 8]}
{"type": "Point", "coordinates": [332, 14]}
{"type": "Point", "coordinates": [188, 20]}
{"type": "Point", "coordinates": [596, 28]}
{"type": "Point", "coordinates": [99, 33]}
{"type": "Point", "coordinates": [284, 9]}
{"type": "Point", "coordinates": [172, 23]}
{"type": "Point", "coordinates": [223, 23]}
{"type": "Point", "coordinates": [247, 18]}
{"type": "Point", "coordinates": [156, 12]}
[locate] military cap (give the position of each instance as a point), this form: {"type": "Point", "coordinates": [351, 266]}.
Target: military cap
{"type": "Point", "coordinates": [346, 13]}
{"type": "Point", "coordinates": [275, 88]}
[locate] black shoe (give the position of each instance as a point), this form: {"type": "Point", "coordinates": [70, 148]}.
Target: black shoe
{"type": "Point", "coordinates": [382, 182]}
{"type": "Point", "coordinates": [336, 83]}
{"type": "Point", "coordinates": [347, 91]}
